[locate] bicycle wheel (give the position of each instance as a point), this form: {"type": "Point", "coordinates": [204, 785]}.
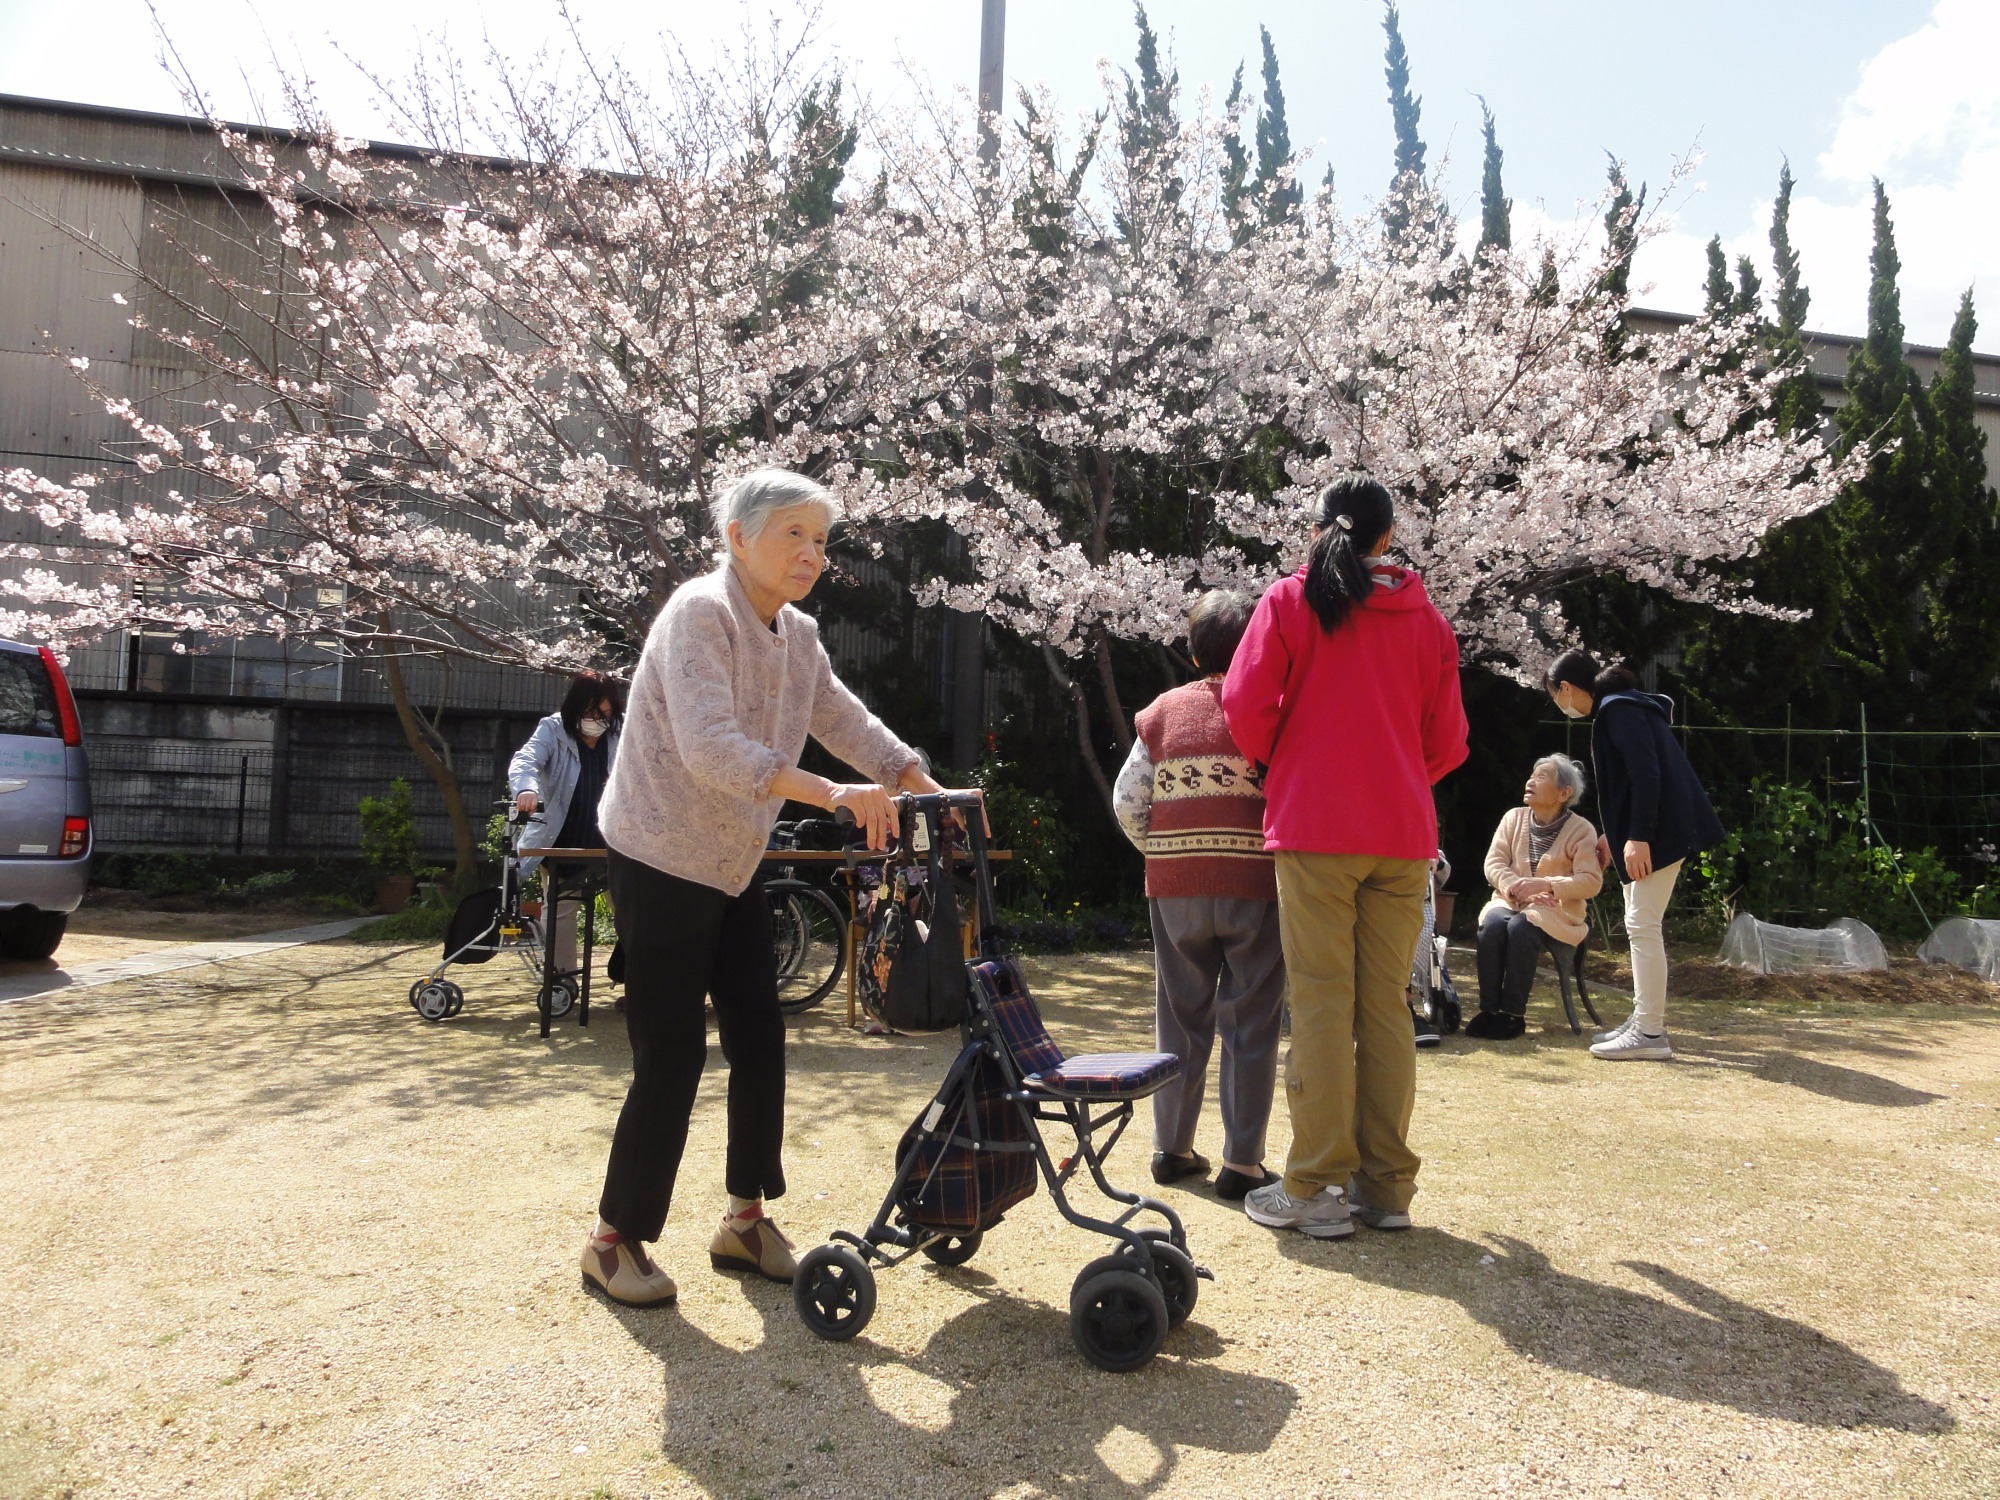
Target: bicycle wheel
{"type": "Point", "coordinates": [809, 942]}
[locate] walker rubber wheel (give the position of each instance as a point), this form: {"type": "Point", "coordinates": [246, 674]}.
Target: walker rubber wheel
{"type": "Point", "coordinates": [954, 1249]}
{"type": "Point", "coordinates": [457, 999]}
{"type": "Point", "coordinates": [562, 996]}
{"type": "Point", "coordinates": [1174, 1269]}
{"type": "Point", "coordinates": [435, 1000]}
{"type": "Point", "coordinates": [1118, 1319]}
{"type": "Point", "coordinates": [834, 1292]}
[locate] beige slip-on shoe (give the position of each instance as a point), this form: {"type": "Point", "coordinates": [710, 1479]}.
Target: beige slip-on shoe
{"type": "Point", "coordinates": [758, 1246]}
{"type": "Point", "coordinates": [624, 1272]}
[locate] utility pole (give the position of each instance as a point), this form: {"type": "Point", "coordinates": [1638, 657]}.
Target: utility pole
{"type": "Point", "coordinates": [968, 628]}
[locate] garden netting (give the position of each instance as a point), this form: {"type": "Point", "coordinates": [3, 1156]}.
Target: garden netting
{"type": "Point", "coordinates": [1770, 949]}
{"type": "Point", "coordinates": [1965, 943]}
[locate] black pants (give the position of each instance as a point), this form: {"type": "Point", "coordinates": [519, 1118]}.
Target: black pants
{"type": "Point", "coordinates": [685, 941]}
{"type": "Point", "coordinates": [1509, 948]}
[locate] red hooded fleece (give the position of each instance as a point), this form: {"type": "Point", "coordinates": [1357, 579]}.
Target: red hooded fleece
{"type": "Point", "coordinates": [1355, 726]}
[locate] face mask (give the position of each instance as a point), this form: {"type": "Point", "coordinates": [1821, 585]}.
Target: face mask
{"type": "Point", "coordinates": [1569, 711]}
{"type": "Point", "coordinates": [595, 728]}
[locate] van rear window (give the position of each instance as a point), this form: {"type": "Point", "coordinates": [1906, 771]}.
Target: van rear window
{"type": "Point", "coordinates": [27, 700]}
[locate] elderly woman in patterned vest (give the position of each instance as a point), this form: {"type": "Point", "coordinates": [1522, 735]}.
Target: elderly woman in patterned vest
{"type": "Point", "coordinates": [1192, 803]}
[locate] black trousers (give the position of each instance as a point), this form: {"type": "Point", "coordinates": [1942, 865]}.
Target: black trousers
{"type": "Point", "coordinates": [1509, 948]}
{"type": "Point", "coordinates": [685, 942]}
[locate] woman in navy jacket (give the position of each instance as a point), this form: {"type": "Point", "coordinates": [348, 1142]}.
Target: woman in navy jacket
{"type": "Point", "coordinates": [1654, 814]}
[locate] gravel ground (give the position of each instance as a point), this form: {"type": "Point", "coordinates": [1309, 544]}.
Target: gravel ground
{"type": "Point", "coordinates": [271, 1235]}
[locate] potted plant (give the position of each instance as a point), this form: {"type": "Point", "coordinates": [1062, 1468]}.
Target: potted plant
{"type": "Point", "coordinates": [389, 845]}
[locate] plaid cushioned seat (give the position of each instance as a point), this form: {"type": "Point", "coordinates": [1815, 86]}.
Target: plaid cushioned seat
{"type": "Point", "coordinates": [1028, 1041]}
{"type": "Point", "coordinates": [1107, 1075]}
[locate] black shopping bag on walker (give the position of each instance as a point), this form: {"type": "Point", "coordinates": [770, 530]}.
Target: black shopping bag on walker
{"type": "Point", "coordinates": [913, 959]}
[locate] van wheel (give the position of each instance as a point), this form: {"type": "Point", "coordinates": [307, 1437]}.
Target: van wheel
{"type": "Point", "coordinates": [33, 935]}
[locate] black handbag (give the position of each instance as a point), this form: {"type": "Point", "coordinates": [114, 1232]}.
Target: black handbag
{"type": "Point", "coordinates": [913, 958]}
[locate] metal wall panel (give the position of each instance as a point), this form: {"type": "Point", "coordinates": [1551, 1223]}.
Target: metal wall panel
{"type": "Point", "coordinates": [52, 280]}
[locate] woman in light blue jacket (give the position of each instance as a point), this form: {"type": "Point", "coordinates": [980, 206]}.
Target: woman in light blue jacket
{"type": "Point", "coordinates": [562, 771]}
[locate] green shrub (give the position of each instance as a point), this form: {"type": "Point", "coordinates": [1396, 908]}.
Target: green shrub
{"type": "Point", "coordinates": [389, 831]}
{"type": "Point", "coordinates": [1034, 828]}
{"type": "Point", "coordinates": [1803, 860]}
{"type": "Point", "coordinates": [422, 921]}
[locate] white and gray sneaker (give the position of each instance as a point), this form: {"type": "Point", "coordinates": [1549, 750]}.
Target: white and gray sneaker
{"type": "Point", "coordinates": [1369, 1214]}
{"type": "Point", "coordinates": [1610, 1031]}
{"type": "Point", "coordinates": [1633, 1045]}
{"type": "Point", "coordinates": [1323, 1216]}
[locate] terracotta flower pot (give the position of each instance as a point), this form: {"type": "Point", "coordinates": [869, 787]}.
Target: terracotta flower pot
{"type": "Point", "coordinates": [393, 892]}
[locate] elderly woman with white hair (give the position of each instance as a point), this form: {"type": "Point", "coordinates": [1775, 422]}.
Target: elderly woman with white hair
{"type": "Point", "coordinates": [731, 681]}
{"type": "Point", "coordinates": [1543, 867]}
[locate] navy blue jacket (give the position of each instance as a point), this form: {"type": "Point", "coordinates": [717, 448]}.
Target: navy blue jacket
{"type": "Point", "coordinates": [1646, 790]}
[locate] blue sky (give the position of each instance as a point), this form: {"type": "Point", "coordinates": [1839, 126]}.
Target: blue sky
{"type": "Point", "coordinates": [1908, 89]}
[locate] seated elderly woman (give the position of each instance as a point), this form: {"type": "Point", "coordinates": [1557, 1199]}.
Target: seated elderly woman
{"type": "Point", "coordinates": [1543, 866]}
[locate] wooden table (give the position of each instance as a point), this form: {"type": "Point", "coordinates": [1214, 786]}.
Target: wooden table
{"type": "Point", "coordinates": [969, 928]}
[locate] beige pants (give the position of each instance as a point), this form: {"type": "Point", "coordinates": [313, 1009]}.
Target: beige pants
{"type": "Point", "coordinates": [1645, 913]}
{"type": "Point", "coordinates": [1349, 924]}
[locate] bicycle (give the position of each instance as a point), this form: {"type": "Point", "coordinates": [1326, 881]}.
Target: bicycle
{"type": "Point", "coordinates": [808, 927]}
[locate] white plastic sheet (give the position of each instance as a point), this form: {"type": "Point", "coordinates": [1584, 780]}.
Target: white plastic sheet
{"type": "Point", "coordinates": [1770, 949]}
{"type": "Point", "coordinates": [1965, 943]}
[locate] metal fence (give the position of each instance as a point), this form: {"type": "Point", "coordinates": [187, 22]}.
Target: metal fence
{"type": "Point", "coordinates": [150, 794]}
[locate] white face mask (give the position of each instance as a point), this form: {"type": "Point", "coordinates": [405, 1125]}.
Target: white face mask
{"type": "Point", "coordinates": [595, 728]}
{"type": "Point", "coordinates": [1569, 710]}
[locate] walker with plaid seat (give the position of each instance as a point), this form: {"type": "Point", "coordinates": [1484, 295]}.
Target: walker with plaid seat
{"type": "Point", "coordinates": [973, 1152]}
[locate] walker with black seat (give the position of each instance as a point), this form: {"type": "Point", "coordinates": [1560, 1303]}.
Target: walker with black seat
{"type": "Point", "coordinates": [973, 1152]}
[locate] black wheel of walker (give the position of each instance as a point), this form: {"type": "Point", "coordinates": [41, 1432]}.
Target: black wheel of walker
{"type": "Point", "coordinates": [1118, 1318]}
{"type": "Point", "coordinates": [457, 1001]}
{"type": "Point", "coordinates": [954, 1249]}
{"type": "Point", "coordinates": [834, 1292]}
{"type": "Point", "coordinates": [562, 996]}
{"type": "Point", "coordinates": [1174, 1269]}
{"type": "Point", "coordinates": [434, 999]}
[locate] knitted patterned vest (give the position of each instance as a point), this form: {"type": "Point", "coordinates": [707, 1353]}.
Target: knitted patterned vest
{"type": "Point", "coordinates": [1205, 834]}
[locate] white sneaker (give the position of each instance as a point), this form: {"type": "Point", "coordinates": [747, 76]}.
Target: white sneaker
{"type": "Point", "coordinates": [1323, 1216]}
{"type": "Point", "coordinates": [1611, 1031]}
{"type": "Point", "coordinates": [1633, 1045]}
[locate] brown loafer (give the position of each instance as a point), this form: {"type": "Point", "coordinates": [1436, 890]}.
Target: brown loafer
{"type": "Point", "coordinates": [758, 1246]}
{"type": "Point", "coordinates": [623, 1271]}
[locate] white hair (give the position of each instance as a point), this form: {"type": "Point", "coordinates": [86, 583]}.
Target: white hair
{"type": "Point", "coordinates": [761, 494]}
{"type": "Point", "coordinates": [1568, 774]}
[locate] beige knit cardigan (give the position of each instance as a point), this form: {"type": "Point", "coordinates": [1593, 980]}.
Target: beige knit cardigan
{"type": "Point", "coordinates": [1571, 864]}
{"type": "Point", "coordinates": [720, 703]}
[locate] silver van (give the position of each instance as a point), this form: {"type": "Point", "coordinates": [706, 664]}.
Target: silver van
{"type": "Point", "coordinates": [44, 803]}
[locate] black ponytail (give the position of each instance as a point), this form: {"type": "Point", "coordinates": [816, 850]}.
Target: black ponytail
{"type": "Point", "coordinates": [1353, 512]}
{"type": "Point", "coordinates": [1583, 672]}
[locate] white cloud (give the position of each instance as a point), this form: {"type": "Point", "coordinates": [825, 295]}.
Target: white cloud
{"type": "Point", "coordinates": [1927, 110]}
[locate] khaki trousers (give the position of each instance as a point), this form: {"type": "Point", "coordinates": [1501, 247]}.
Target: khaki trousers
{"type": "Point", "coordinates": [1349, 924]}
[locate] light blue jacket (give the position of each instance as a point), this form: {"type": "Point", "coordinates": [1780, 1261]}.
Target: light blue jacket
{"type": "Point", "coordinates": [548, 765]}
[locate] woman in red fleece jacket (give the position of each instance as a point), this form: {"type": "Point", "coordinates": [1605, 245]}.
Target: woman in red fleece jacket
{"type": "Point", "coordinates": [1346, 687]}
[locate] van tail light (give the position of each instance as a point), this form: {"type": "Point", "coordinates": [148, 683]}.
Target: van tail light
{"type": "Point", "coordinates": [72, 726]}
{"type": "Point", "coordinates": [76, 837]}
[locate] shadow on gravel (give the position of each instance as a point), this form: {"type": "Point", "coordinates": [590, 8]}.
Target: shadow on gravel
{"type": "Point", "coordinates": [1693, 1344]}
{"type": "Point", "coordinates": [998, 1396]}
{"type": "Point", "coordinates": [1780, 1065]}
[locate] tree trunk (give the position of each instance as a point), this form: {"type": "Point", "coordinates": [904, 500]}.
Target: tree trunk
{"type": "Point", "coordinates": [430, 748]}
{"type": "Point", "coordinates": [1114, 705]}
{"type": "Point", "coordinates": [1080, 700]}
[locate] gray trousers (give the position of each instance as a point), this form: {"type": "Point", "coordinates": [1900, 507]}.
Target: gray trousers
{"type": "Point", "coordinates": [1219, 971]}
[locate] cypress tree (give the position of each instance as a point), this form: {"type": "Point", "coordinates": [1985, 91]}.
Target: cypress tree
{"type": "Point", "coordinates": [1235, 161]}
{"type": "Point", "coordinates": [1885, 521]}
{"type": "Point", "coordinates": [1496, 209]}
{"type": "Point", "coordinates": [1274, 144]}
{"type": "Point", "coordinates": [1749, 289]}
{"type": "Point", "coordinates": [1406, 110]}
{"type": "Point", "coordinates": [1797, 406]}
{"type": "Point", "coordinates": [1149, 120]}
{"type": "Point", "coordinates": [1964, 653]}
{"type": "Point", "coordinates": [1718, 296]}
